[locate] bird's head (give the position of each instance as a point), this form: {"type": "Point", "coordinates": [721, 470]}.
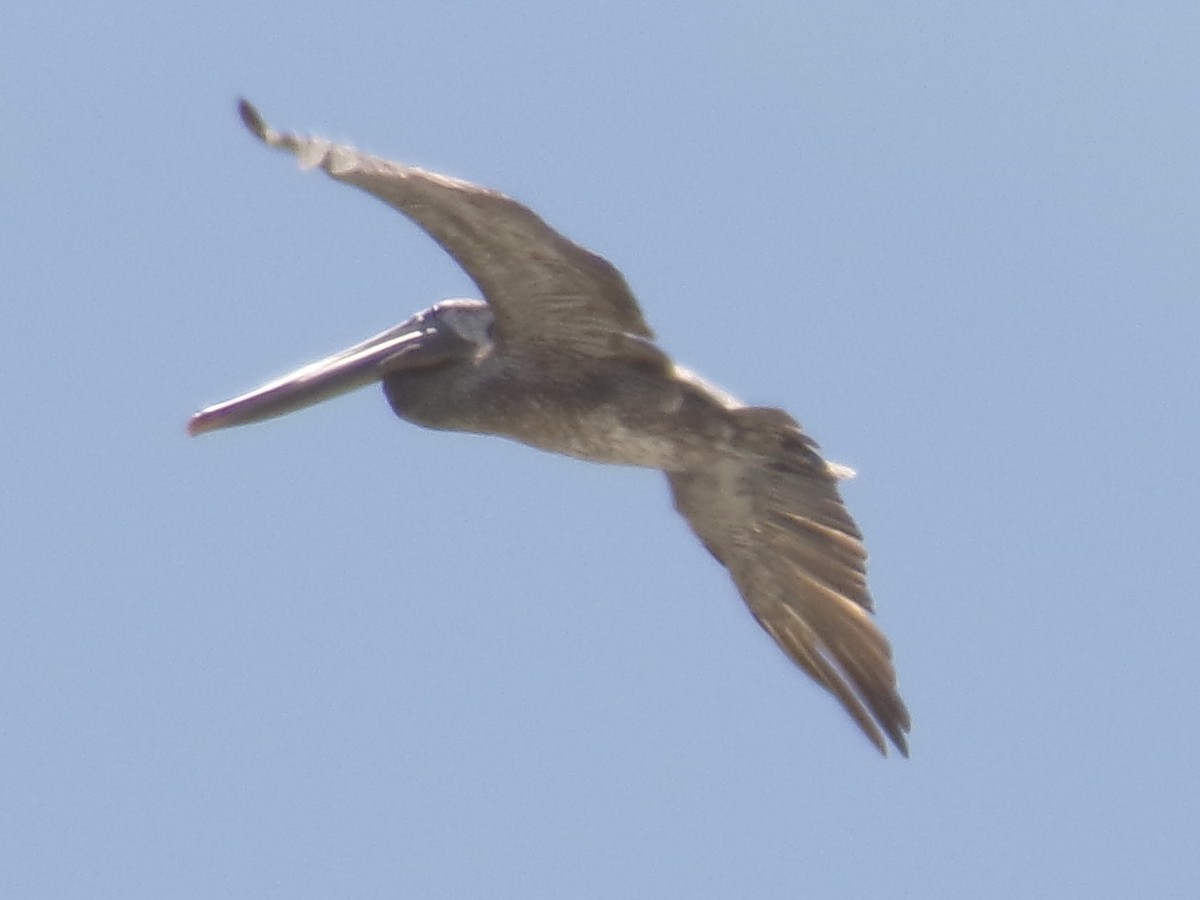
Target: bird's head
{"type": "Point", "coordinates": [452, 331]}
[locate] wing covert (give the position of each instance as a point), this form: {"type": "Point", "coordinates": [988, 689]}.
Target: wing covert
{"type": "Point", "coordinates": [773, 516]}
{"type": "Point", "coordinates": [543, 288]}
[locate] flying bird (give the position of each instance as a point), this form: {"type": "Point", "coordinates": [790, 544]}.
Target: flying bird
{"type": "Point", "coordinates": [558, 356]}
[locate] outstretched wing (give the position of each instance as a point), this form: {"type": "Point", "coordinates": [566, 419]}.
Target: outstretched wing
{"type": "Point", "coordinates": [771, 513]}
{"type": "Point", "coordinates": [543, 288]}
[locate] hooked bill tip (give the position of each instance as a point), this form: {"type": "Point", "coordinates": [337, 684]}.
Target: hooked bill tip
{"type": "Point", "coordinates": [198, 424]}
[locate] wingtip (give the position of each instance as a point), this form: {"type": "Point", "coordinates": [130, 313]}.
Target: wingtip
{"type": "Point", "coordinates": [253, 120]}
{"type": "Point", "coordinates": [897, 732]}
{"type": "Point", "coordinates": [898, 742]}
{"type": "Point", "coordinates": [895, 726]}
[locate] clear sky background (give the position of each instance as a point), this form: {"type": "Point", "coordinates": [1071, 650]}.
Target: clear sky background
{"type": "Point", "coordinates": [339, 656]}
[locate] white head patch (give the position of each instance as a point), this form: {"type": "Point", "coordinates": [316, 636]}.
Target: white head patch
{"type": "Point", "coordinates": [469, 319]}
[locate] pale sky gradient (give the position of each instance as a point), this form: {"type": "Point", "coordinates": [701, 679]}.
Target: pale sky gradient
{"type": "Point", "coordinates": [339, 656]}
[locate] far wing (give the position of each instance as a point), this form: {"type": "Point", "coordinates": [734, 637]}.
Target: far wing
{"type": "Point", "coordinates": [542, 287]}
{"type": "Point", "coordinates": [773, 516]}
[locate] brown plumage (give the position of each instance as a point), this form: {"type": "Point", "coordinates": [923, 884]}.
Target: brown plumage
{"type": "Point", "coordinates": [559, 357]}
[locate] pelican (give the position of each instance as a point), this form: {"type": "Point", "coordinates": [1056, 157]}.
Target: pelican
{"type": "Point", "coordinates": [558, 356]}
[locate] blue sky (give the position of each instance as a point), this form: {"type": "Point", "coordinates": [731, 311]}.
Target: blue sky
{"type": "Point", "coordinates": [337, 655]}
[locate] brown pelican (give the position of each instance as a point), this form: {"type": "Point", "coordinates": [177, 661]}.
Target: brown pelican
{"type": "Point", "coordinates": [560, 358]}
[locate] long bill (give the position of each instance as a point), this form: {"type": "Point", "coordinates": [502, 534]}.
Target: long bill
{"type": "Point", "coordinates": [412, 344]}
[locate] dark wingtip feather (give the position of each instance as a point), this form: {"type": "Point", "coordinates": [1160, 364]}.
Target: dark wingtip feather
{"type": "Point", "coordinates": [252, 119]}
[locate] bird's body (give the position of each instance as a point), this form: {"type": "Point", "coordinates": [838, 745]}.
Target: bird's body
{"type": "Point", "coordinates": [559, 357]}
{"type": "Point", "coordinates": [649, 413]}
